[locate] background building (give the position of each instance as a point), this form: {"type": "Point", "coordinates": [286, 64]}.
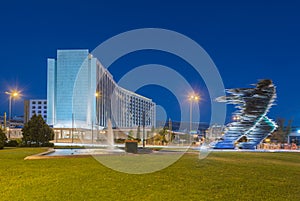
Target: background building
{"type": "Point", "coordinates": [294, 137]}
{"type": "Point", "coordinates": [81, 93]}
{"type": "Point", "coordinates": [35, 106]}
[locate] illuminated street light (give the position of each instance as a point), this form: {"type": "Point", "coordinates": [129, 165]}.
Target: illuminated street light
{"type": "Point", "coordinates": [14, 94]}
{"type": "Point", "coordinates": [95, 121]}
{"type": "Point", "coordinates": [236, 118]}
{"type": "Point", "coordinates": [192, 98]}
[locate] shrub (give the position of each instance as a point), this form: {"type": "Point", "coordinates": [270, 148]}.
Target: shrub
{"type": "Point", "coordinates": [2, 139]}
{"type": "Point", "coordinates": [33, 144]}
{"type": "Point", "coordinates": [120, 141]}
{"type": "Point", "coordinates": [48, 144]}
{"type": "Point", "coordinates": [12, 143]}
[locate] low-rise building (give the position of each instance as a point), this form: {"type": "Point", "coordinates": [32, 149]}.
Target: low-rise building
{"type": "Point", "coordinates": [35, 106]}
{"type": "Point", "coordinates": [294, 137]}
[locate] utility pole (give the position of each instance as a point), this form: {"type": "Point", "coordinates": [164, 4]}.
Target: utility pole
{"type": "Point", "coordinates": [4, 122]}
{"type": "Point", "coordinates": [170, 130]}
{"type": "Point", "coordinates": [144, 122]}
{"type": "Point", "coordinates": [92, 132]}
{"type": "Point", "coordinates": [72, 131]}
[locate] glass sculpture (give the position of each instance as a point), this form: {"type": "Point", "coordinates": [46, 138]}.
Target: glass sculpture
{"type": "Point", "coordinates": [251, 125]}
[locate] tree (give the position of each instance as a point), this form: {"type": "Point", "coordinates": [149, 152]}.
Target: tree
{"type": "Point", "coordinates": [281, 133]}
{"type": "Point", "coordinates": [36, 132]}
{"type": "Point", "coordinates": [138, 133]}
{"type": "Point", "coordinates": [163, 133]}
{"type": "Point", "coordinates": [152, 129]}
{"type": "Point", "coordinates": [130, 135]}
{"type": "Point", "coordinates": [157, 138]}
{"type": "Point", "coordinates": [2, 139]}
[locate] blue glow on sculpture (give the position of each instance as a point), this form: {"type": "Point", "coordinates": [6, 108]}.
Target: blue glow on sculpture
{"type": "Point", "coordinates": [253, 104]}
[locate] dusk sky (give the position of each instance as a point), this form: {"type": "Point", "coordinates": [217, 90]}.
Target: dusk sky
{"type": "Point", "coordinates": [247, 40]}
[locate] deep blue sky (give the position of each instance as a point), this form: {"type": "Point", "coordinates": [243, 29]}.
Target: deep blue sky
{"type": "Point", "coordinates": [247, 40]}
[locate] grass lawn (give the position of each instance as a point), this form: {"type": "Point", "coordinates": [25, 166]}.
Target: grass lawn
{"type": "Point", "coordinates": [221, 176]}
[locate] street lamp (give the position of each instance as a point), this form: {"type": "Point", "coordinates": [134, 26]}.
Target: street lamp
{"type": "Point", "coordinates": [14, 94]}
{"type": "Point", "coordinates": [192, 98]}
{"type": "Point", "coordinates": [96, 113]}
{"type": "Point", "coordinates": [236, 118]}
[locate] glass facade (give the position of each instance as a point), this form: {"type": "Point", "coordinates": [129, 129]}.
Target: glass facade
{"type": "Point", "coordinates": [51, 90]}
{"type": "Point", "coordinates": [81, 93]}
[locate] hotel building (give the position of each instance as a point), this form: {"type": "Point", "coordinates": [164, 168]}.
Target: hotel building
{"type": "Point", "coordinates": [81, 94]}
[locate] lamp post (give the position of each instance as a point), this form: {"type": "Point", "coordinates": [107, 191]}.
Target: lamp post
{"type": "Point", "coordinates": [72, 131]}
{"type": "Point", "coordinates": [97, 96]}
{"type": "Point", "coordinates": [144, 123]}
{"type": "Point", "coordinates": [12, 95]}
{"type": "Point", "coordinates": [192, 98]}
{"type": "Point", "coordinates": [236, 118]}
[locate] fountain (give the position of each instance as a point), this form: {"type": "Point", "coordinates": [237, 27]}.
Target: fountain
{"type": "Point", "coordinates": [99, 149]}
